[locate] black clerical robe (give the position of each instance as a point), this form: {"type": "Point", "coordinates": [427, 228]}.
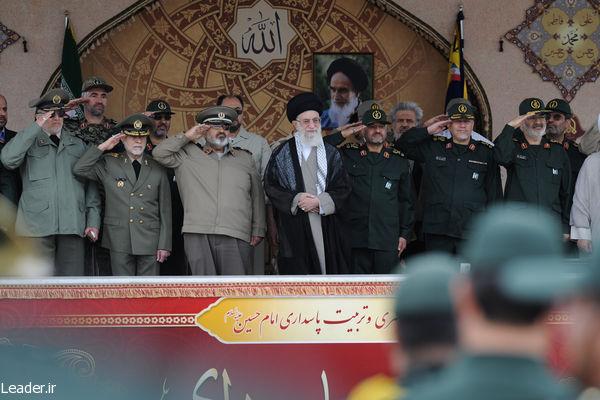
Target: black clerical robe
{"type": "Point", "coordinates": [283, 181]}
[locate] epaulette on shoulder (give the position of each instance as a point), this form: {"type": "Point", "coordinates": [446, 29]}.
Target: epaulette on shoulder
{"type": "Point", "coordinates": [115, 155]}
{"type": "Point", "coordinates": [240, 149]}
{"type": "Point", "coordinates": [439, 138]}
{"type": "Point", "coordinates": [351, 146]}
{"type": "Point", "coordinates": [486, 144]}
{"type": "Point", "coordinates": [397, 152]}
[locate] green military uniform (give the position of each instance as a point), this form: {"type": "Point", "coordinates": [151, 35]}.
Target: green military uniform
{"type": "Point", "coordinates": [459, 181]}
{"type": "Point", "coordinates": [379, 210]}
{"type": "Point", "coordinates": [55, 207]}
{"type": "Point", "coordinates": [137, 216]}
{"type": "Point", "coordinates": [537, 174]}
{"type": "Point", "coordinates": [509, 250]}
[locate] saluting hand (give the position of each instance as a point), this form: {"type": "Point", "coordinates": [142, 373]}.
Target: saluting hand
{"type": "Point", "coordinates": [517, 122]}
{"type": "Point", "coordinates": [41, 119]}
{"type": "Point", "coordinates": [438, 126]}
{"type": "Point", "coordinates": [196, 132]}
{"type": "Point", "coordinates": [162, 255]}
{"type": "Point", "coordinates": [75, 102]}
{"type": "Point", "coordinates": [437, 118]}
{"type": "Point", "coordinates": [111, 142]}
{"type": "Point", "coordinates": [350, 129]}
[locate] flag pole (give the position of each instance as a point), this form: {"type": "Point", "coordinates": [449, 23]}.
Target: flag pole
{"type": "Point", "coordinates": [460, 19]}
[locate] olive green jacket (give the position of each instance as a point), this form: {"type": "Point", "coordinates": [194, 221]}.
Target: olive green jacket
{"type": "Point", "coordinates": [137, 213]}
{"type": "Point", "coordinates": [54, 201]}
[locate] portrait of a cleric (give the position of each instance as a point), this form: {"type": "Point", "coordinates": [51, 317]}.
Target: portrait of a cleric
{"type": "Point", "coordinates": [342, 82]}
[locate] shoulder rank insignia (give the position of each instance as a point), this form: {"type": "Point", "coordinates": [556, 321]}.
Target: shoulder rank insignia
{"type": "Point", "coordinates": [115, 155]}
{"type": "Point", "coordinates": [439, 138]}
{"type": "Point", "coordinates": [398, 152]}
{"type": "Point", "coordinates": [472, 147]}
{"type": "Point", "coordinates": [546, 145]}
{"type": "Point", "coordinates": [524, 145]}
{"type": "Point", "coordinates": [353, 146]}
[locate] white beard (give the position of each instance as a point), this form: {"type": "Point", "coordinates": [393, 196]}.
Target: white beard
{"type": "Point", "coordinates": [536, 133]}
{"type": "Point", "coordinates": [341, 115]}
{"type": "Point", "coordinates": [309, 140]}
{"type": "Point", "coordinates": [218, 142]}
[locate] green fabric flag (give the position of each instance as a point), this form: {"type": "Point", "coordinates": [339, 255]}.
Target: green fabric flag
{"type": "Point", "coordinates": [70, 79]}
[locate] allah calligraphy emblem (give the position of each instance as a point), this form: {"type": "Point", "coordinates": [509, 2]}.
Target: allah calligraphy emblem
{"type": "Point", "coordinates": [56, 99]}
{"type": "Point", "coordinates": [462, 109]}
{"type": "Point", "coordinates": [560, 40]}
{"type": "Point", "coordinates": [376, 114]}
{"type": "Point", "coordinates": [137, 124]}
{"type": "Point", "coordinates": [162, 106]}
{"type": "Point", "coordinates": [535, 104]}
{"type": "Point", "coordinates": [553, 104]}
{"type": "Point", "coordinates": [262, 33]}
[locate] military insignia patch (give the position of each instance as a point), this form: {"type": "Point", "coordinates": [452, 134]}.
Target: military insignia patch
{"type": "Point", "coordinates": [472, 147]}
{"type": "Point", "coordinates": [553, 104]}
{"type": "Point", "coordinates": [524, 146]}
{"type": "Point", "coordinates": [376, 114]}
{"type": "Point", "coordinates": [386, 154]}
{"type": "Point", "coordinates": [120, 183]}
{"type": "Point", "coordinates": [56, 99]}
{"type": "Point", "coordinates": [162, 106]}
{"type": "Point", "coordinates": [137, 124]}
{"type": "Point", "coordinates": [221, 115]}
{"type": "Point", "coordinates": [547, 145]}
{"type": "Point", "coordinates": [449, 145]}
{"type": "Point", "coordinates": [535, 104]}
{"type": "Point", "coordinates": [363, 153]}
{"type": "Point", "coordinates": [462, 109]}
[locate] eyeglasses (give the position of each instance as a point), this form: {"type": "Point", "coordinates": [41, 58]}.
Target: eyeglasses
{"type": "Point", "coordinates": [554, 116]}
{"type": "Point", "coordinates": [306, 122]}
{"type": "Point", "coordinates": [158, 117]}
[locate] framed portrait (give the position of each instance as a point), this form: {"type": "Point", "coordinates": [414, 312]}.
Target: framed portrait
{"type": "Point", "coordinates": [342, 80]}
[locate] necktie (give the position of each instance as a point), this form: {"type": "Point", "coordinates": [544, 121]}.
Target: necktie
{"type": "Point", "coordinates": [55, 139]}
{"type": "Point", "coordinates": [136, 167]}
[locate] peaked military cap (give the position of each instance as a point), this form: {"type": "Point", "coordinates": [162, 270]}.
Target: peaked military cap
{"type": "Point", "coordinates": [365, 106]}
{"type": "Point", "coordinates": [302, 102]}
{"type": "Point", "coordinates": [136, 125]}
{"type": "Point", "coordinates": [561, 106]}
{"type": "Point", "coordinates": [159, 107]}
{"type": "Point", "coordinates": [532, 106]}
{"type": "Point", "coordinates": [426, 289]}
{"type": "Point", "coordinates": [375, 116]}
{"type": "Point", "coordinates": [461, 109]}
{"type": "Point", "coordinates": [53, 99]}
{"type": "Point", "coordinates": [95, 82]}
{"type": "Point", "coordinates": [351, 69]}
{"type": "Point", "coordinates": [523, 245]}
{"type": "Point", "coordinates": [221, 114]}
{"type": "Point", "coordinates": [459, 100]}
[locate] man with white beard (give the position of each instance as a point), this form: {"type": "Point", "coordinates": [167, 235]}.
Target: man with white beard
{"type": "Point", "coordinates": [308, 186]}
{"type": "Point", "coordinates": [222, 195]}
{"type": "Point", "coordinates": [346, 79]}
{"type": "Point", "coordinates": [538, 170]}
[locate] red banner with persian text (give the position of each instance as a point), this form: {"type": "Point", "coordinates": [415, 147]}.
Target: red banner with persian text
{"type": "Point", "coordinates": [212, 338]}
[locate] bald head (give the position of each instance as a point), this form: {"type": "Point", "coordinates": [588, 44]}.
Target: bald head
{"type": "Point", "coordinates": [3, 112]}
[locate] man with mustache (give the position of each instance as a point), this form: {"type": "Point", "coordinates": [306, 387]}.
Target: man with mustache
{"type": "Point", "coordinates": [538, 170]}
{"type": "Point", "coordinates": [9, 180]}
{"type": "Point", "coordinates": [307, 185]}
{"type": "Point", "coordinates": [56, 209]}
{"type": "Point", "coordinates": [223, 200]}
{"type": "Point", "coordinates": [137, 215]}
{"type": "Point", "coordinates": [460, 178]}
{"type": "Point", "coordinates": [380, 207]}
{"type": "Point", "coordinates": [346, 80]}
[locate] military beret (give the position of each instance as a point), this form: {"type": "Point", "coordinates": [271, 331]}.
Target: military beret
{"type": "Point", "coordinates": [303, 102]}
{"type": "Point", "coordinates": [53, 99]}
{"type": "Point", "coordinates": [159, 107]}
{"type": "Point", "coordinates": [351, 69]}
{"type": "Point", "coordinates": [375, 116]}
{"type": "Point", "coordinates": [514, 240]}
{"type": "Point", "coordinates": [136, 125]}
{"type": "Point", "coordinates": [532, 105]}
{"type": "Point", "coordinates": [95, 82]}
{"type": "Point", "coordinates": [561, 106]}
{"type": "Point", "coordinates": [426, 287]}
{"type": "Point", "coordinates": [220, 114]}
{"type": "Point", "coordinates": [461, 110]}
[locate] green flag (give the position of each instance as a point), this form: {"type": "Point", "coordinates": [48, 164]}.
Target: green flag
{"type": "Point", "coordinates": [70, 79]}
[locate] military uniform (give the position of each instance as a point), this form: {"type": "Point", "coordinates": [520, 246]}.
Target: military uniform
{"type": "Point", "coordinates": [459, 181]}
{"type": "Point", "coordinates": [379, 210]}
{"type": "Point", "coordinates": [537, 174]}
{"type": "Point", "coordinates": [137, 216]}
{"type": "Point", "coordinates": [55, 207]}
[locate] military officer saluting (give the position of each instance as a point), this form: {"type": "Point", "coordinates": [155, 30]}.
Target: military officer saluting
{"type": "Point", "coordinates": [55, 209]}
{"type": "Point", "coordinates": [379, 209]}
{"type": "Point", "coordinates": [460, 176]}
{"type": "Point", "coordinates": [538, 170]}
{"type": "Point", "coordinates": [137, 217]}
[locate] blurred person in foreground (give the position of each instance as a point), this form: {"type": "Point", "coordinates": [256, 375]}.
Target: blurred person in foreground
{"type": "Point", "coordinates": [501, 311]}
